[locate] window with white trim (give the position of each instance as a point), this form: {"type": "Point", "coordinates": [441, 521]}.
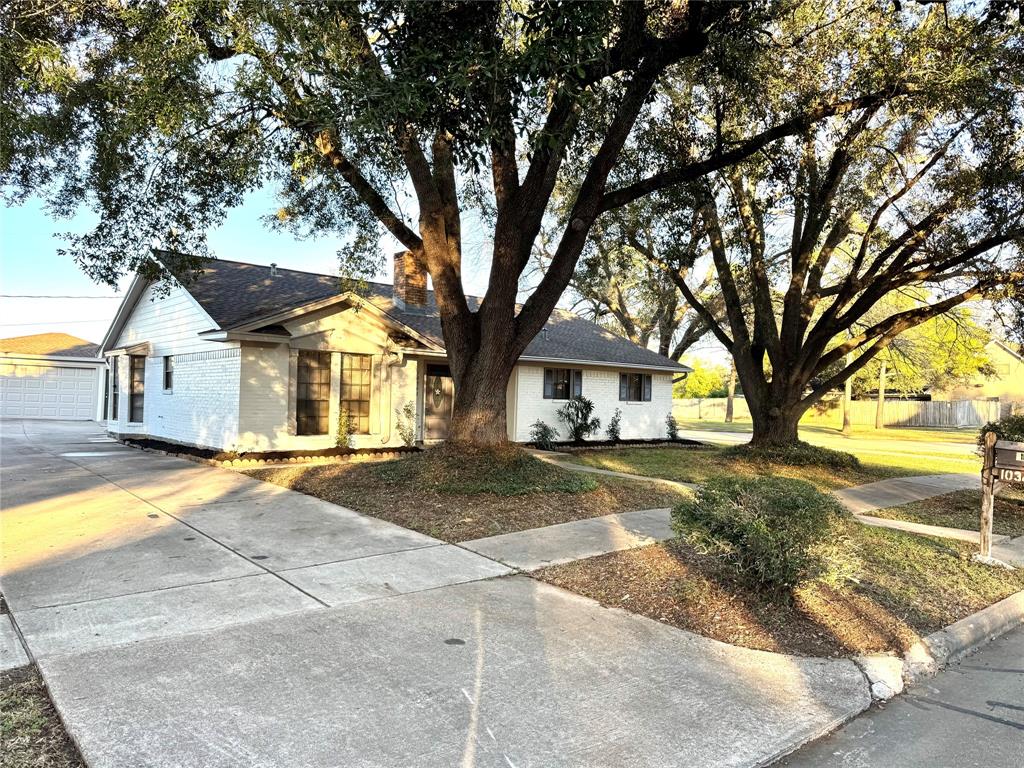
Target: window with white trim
{"type": "Point", "coordinates": [313, 393]}
{"type": "Point", "coordinates": [634, 387]}
{"type": "Point", "coordinates": [562, 383]}
{"type": "Point", "coordinates": [137, 390]}
{"type": "Point", "coordinates": [168, 373]}
{"type": "Point", "coordinates": [356, 378]}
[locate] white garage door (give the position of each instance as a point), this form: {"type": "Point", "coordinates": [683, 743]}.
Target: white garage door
{"type": "Point", "coordinates": [48, 391]}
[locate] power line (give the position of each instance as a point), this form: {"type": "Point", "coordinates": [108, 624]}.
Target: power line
{"type": "Point", "coordinates": [62, 322]}
{"type": "Point", "coordinates": [48, 296]}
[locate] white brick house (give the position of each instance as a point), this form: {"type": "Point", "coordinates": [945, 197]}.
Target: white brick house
{"type": "Point", "coordinates": [255, 358]}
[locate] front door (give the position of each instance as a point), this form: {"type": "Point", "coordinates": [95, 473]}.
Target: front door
{"type": "Point", "coordinates": [439, 398]}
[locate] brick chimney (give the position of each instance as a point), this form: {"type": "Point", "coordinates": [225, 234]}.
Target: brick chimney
{"type": "Point", "coordinates": [410, 280]}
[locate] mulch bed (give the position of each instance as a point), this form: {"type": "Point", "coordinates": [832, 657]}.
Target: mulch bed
{"type": "Point", "coordinates": [461, 517]}
{"type": "Point", "coordinates": [31, 733]}
{"type": "Point", "coordinates": [218, 455]}
{"type": "Point", "coordinates": [896, 602]}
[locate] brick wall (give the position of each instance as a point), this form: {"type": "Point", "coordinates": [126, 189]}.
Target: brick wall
{"type": "Point", "coordinates": [644, 420]}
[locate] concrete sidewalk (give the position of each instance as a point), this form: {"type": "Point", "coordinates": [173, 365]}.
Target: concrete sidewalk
{"type": "Point", "coordinates": [540, 547]}
{"type": "Point", "coordinates": [903, 490]}
{"type": "Point", "coordinates": [185, 615]}
{"type": "Point", "coordinates": [109, 545]}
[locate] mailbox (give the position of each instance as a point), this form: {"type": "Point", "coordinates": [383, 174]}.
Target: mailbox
{"type": "Point", "coordinates": [1009, 461]}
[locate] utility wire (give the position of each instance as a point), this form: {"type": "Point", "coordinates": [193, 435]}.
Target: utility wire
{"type": "Point", "coordinates": [62, 322]}
{"type": "Point", "coordinates": [47, 296]}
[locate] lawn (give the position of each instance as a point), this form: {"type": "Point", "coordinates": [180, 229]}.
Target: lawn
{"type": "Point", "coordinates": [810, 431]}
{"type": "Point", "coordinates": [458, 497]}
{"type": "Point", "coordinates": [696, 466]}
{"type": "Point", "coordinates": [906, 586]}
{"type": "Point", "coordinates": [962, 509]}
{"type": "Point", "coordinates": [31, 734]}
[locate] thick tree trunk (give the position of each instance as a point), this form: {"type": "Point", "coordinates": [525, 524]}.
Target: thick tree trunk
{"type": "Point", "coordinates": [776, 426]}
{"type": "Point", "coordinates": [479, 414]}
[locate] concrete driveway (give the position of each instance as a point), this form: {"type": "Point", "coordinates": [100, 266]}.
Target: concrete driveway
{"type": "Point", "coordinates": [185, 615]}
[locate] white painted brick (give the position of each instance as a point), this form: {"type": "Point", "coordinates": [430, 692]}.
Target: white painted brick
{"type": "Point", "coordinates": [601, 385]}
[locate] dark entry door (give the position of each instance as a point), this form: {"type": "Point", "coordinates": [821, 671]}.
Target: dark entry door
{"type": "Point", "coordinates": [439, 398]}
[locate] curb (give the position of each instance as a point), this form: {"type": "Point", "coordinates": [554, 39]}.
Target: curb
{"type": "Point", "coordinates": [950, 644]}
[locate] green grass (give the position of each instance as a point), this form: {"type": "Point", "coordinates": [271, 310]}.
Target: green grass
{"type": "Point", "coordinates": [809, 430]}
{"type": "Point", "coordinates": [962, 509]}
{"type": "Point", "coordinates": [698, 465]}
{"type": "Point", "coordinates": [508, 472]}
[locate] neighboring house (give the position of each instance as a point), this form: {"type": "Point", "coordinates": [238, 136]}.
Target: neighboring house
{"type": "Point", "coordinates": [256, 358]}
{"type": "Point", "coordinates": [1006, 384]}
{"type": "Point", "coordinates": [51, 376]}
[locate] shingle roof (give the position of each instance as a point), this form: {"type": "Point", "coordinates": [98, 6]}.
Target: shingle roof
{"type": "Point", "coordinates": [57, 344]}
{"type": "Point", "coordinates": [236, 293]}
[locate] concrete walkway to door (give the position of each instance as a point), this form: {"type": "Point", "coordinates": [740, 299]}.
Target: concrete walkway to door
{"type": "Point", "coordinates": [185, 615]}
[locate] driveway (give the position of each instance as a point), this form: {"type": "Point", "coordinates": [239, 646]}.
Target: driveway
{"type": "Point", "coordinates": [186, 615]}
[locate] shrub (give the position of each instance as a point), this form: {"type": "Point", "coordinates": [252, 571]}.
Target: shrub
{"type": "Point", "coordinates": [346, 428]}
{"type": "Point", "coordinates": [798, 454]}
{"type": "Point", "coordinates": [542, 435]}
{"type": "Point", "coordinates": [578, 416]}
{"type": "Point", "coordinates": [776, 532]}
{"type": "Point", "coordinates": [614, 426]}
{"type": "Point", "coordinates": [672, 427]}
{"type": "Point", "coordinates": [405, 423]}
{"type": "Point", "coordinates": [1009, 428]}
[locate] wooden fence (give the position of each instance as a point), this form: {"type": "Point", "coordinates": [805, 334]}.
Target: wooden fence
{"type": "Point", "coordinates": [897, 413]}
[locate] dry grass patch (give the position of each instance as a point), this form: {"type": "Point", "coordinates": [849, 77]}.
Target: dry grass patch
{"type": "Point", "coordinates": [31, 734]}
{"type": "Point", "coordinates": [457, 496]}
{"type": "Point", "coordinates": [907, 586]}
{"type": "Point", "coordinates": [962, 509]}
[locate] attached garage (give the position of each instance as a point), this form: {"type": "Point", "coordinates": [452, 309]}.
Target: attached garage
{"type": "Point", "coordinates": [50, 376]}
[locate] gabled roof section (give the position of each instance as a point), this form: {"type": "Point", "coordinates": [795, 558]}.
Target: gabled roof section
{"type": "Point", "coordinates": [238, 295]}
{"type": "Point", "coordinates": [54, 344]}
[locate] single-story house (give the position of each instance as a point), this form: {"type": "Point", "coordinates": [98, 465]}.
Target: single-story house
{"type": "Point", "coordinates": [51, 376]}
{"type": "Point", "coordinates": [1006, 382]}
{"type": "Point", "coordinates": [255, 358]}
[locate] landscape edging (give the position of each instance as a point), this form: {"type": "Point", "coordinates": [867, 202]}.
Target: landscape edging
{"type": "Point", "coordinates": [950, 644]}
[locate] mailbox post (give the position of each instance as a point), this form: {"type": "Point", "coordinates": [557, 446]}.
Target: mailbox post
{"type": "Point", "coordinates": [1003, 462]}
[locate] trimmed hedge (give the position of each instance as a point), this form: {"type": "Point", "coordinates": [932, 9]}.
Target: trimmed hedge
{"type": "Point", "coordinates": [1010, 428]}
{"type": "Point", "coordinates": [775, 532]}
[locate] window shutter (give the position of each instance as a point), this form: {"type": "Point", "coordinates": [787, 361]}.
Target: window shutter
{"type": "Point", "coordinates": [577, 383]}
{"type": "Point", "coordinates": [623, 386]}
{"type": "Point", "coordinates": [647, 386]}
{"type": "Point", "coordinates": [549, 383]}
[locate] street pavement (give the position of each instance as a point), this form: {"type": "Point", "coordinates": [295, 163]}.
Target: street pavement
{"type": "Point", "coordinates": [970, 715]}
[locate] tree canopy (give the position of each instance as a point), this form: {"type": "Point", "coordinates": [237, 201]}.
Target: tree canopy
{"type": "Point", "coordinates": [399, 118]}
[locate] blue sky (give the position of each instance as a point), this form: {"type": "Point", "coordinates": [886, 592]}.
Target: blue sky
{"type": "Point", "coordinates": [30, 264]}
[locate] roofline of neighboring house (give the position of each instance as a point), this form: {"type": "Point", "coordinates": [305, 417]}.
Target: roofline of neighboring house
{"type": "Point", "coordinates": [68, 358]}
{"type": "Point", "coordinates": [1007, 348]}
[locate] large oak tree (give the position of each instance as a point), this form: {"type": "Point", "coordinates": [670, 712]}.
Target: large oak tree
{"type": "Point", "coordinates": [832, 243]}
{"type": "Point", "coordinates": [398, 118]}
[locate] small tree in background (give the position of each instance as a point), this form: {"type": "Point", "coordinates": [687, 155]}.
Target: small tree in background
{"type": "Point", "coordinates": [614, 426]}
{"type": "Point", "coordinates": [578, 416]}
